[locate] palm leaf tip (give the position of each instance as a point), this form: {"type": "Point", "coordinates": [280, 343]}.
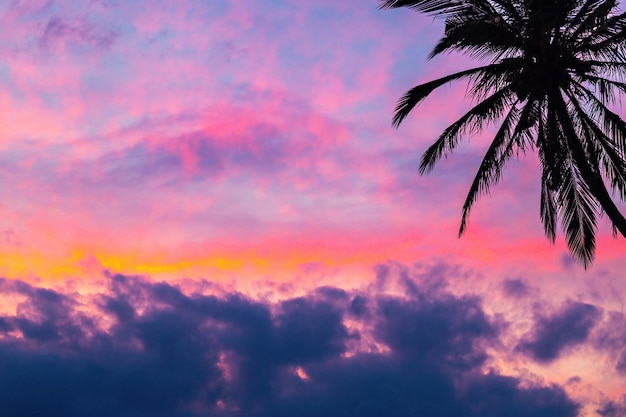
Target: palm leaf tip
{"type": "Point", "coordinates": [388, 4]}
{"type": "Point", "coordinates": [410, 99]}
{"type": "Point", "coordinates": [427, 163]}
{"type": "Point", "coordinates": [403, 108]}
{"type": "Point", "coordinates": [420, 5]}
{"type": "Point", "coordinates": [394, 4]}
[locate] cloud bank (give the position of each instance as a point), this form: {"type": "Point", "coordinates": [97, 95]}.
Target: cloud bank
{"type": "Point", "coordinates": [149, 349]}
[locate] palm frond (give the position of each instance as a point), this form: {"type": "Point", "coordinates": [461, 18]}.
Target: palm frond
{"type": "Point", "coordinates": [512, 15]}
{"type": "Point", "coordinates": [490, 170]}
{"type": "Point", "coordinates": [608, 68]}
{"type": "Point", "coordinates": [484, 112]}
{"type": "Point", "coordinates": [480, 37]}
{"type": "Point", "coordinates": [586, 164]}
{"type": "Point", "coordinates": [612, 160]}
{"type": "Point", "coordinates": [578, 203]}
{"type": "Point", "coordinates": [418, 93]}
{"type": "Point", "coordinates": [582, 16]}
{"type": "Point", "coordinates": [427, 6]}
{"type": "Point", "coordinates": [613, 163]}
{"type": "Point", "coordinates": [578, 209]}
{"type": "Point", "coordinates": [588, 23]}
{"type": "Point", "coordinates": [482, 85]}
{"type": "Point", "coordinates": [605, 40]}
{"type": "Point", "coordinates": [548, 209]}
{"type": "Point", "coordinates": [613, 124]}
{"type": "Point", "coordinates": [608, 90]}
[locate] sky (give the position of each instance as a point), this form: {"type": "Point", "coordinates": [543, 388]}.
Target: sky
{"type": "Point", "coordinates": [205, 210]}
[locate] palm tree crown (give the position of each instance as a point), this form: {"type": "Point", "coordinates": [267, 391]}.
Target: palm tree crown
{"type": "Point", "coordinates": [553, 68]}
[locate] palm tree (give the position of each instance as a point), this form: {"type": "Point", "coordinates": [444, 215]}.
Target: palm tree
{"type": "Point", "coordinates": [552, 69]}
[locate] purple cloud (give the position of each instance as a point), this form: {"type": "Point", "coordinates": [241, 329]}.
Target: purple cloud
{"type": "Point", "coordinates": [444, 331]}
{"type": "Point", "coordinates": [168, 353]}
{"type": "Point", "coordinates": [552, 335]}
{"type": "Point", "coordinates": [515, 288]}
{"type": "Point", "coordinates": [613, 408]}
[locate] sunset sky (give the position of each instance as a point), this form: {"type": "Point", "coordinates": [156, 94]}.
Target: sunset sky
{"type": "Point", "coordinates": [204, 210]}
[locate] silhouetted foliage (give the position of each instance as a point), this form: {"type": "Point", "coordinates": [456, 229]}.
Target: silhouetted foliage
{"type": "Point", "coordinates": [554, 67]}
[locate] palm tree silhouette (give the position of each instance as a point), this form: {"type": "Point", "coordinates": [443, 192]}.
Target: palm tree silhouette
{"type": "Point", "coordinates": [553, 68]}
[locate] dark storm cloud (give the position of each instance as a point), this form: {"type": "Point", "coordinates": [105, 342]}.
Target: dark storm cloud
{"type": "Point", "coordinates": [496, 395]}
{"type": "Point", "coordinates": [553, 334]}
{"type": "Point", "coordinates": [148, 349]}
{"type": "Point", "coordinates": [613, 408]}
{"type": "Point", "coordinates": [442, 331]}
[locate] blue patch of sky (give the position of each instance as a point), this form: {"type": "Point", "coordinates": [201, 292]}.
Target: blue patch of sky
{"type": "Point", "coordinates": [109, 73]}
{"type": "Point", "coordinates": [365, 46]}
{"type": "Point", "coordinates": [292, 56]}
{"type": "Point", "coordinates": [5, 72]}
{"type": "Point", "coordinates": [213, 9]}
{"type": "Point", "coordinates": [277, 5]}
{"type": "Point", "coordinates": [8, 85]}
{"type": "Point", "coordinates": [52, 100]}
{"type": "Point", "coordinates": [325, 14]}
{"type": "Point", "coordinates": [410, 65]}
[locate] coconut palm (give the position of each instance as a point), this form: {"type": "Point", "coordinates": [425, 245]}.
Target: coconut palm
{"type": "Point", "coordinates": [552, 69]}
